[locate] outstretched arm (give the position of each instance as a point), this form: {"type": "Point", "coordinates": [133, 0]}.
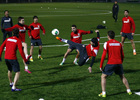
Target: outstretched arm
{"type": "Point", "coordinates": [91, 64]}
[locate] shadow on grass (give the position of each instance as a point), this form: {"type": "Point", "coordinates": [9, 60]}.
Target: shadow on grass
{"type": "Point", "coordinates": [131, 70]}
{"type": "Point", "coordinates": [64, 81]}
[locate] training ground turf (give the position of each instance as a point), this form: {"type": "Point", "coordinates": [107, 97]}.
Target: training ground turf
{"type": "Point", "coordinates": [50, 81]}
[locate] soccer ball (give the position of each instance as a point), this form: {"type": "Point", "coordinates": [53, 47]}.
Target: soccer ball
{"type": "Point", "coordinates": [104, 22]}
{"type": "Point", "coordinates": [55, 32]}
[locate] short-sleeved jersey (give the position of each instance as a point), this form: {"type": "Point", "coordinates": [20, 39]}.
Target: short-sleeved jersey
{"type": "Point", "coordinates": [77, 38]}
{"type": "Point", "coordinates": [92, 51]}
{"type": "Point", "coordinates": [35, 33]}
{"type": "Point", "coordinates": [127, 25]}
{"type": "Point", "coordinates": [22, 31]}
{"type": "Point", "coordinates": [115, 52]}
{"type": "Point", "coordinates": [11, 45]}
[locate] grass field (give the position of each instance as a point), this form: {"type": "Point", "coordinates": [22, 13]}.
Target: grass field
{"type": "Point", "coordinates": [69, 82]}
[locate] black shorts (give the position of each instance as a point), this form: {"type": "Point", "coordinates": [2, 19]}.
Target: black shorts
{"type": "Point", "coordinates": [12, 65]}
{"type": "Point", "coordinates": [37, 42]}
{"type": "Point", "coordinates": [128, 35]}
{"type": "Point", "coordinates": [110, 68]}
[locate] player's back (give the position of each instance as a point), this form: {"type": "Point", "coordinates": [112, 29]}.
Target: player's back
{"type": "Point", "coordinates": [11, 47]}
{"type": "Point", "coordinates": [115, 52]}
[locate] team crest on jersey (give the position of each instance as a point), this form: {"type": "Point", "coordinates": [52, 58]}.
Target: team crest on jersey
{"type": "Point", "coordinates": [126, 21]}
{"type": "Point", "coordinates": [7, 20]}
{"type": "Point", "coordinates": [38, 27]}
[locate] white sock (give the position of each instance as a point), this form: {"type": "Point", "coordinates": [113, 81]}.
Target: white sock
{"type": "Point", "coordinates": [75, 60]}
{"type": "Point", "coordinates": [134, 50]}
{"type": "Point", "coordinates": [11, 83]}
{"type": "Point", "coordinates": [64, 40]}
{"type": "Point", "coordinates": [87, 60]}
{"type": "Point", "coordinates": [26, 67]}
{"type": "Point", "coordinates": [26, 56]}
{"type": "Point", "coordinates": [39, 55]}
{"type": "Point", "coordinates": [128, 90]}
{"type": "Point", "coordinates": [103, 92]}
{"type": "Point", "coordinates": [63, 60]}
{"type": "Point", "coordinates": [13, 87]}
{"type": "Point", "coordinates": [31, 57]}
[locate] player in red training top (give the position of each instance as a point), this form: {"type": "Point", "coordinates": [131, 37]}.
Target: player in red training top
{"type": "Point", "coordinates": [85, 52]}
{"type": "Point", "coordinates": [22, 31]}
{"type": "Point", "coordinates": [126, 31]}
{"type": "Point", "coordinates": [76, 36]}
{"type": "Point", "coordinates": [11, 45]}
{"type": "Point", "coordinates": [34, 35]}
{"type": "Point", "coordinates": [114, 64]}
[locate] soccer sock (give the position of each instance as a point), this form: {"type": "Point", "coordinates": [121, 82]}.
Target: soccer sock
{"type": "Point", "coordinates": [128, 90]}
{"type": "Point", "coordinates": [39, 55]}
{"type": "Point", "coordinates": [26, 67]}
{"type": "Point", "coordinates": [75, 60]}
{"type": "Point", "coordinates": [64, 40]}
{"type": "Point", "coordinates": [134, 50]}
{"type": "Point", "coordinates": [63, 60]}
{"type": "Point", "coordinates": [26, 56]}
{"type": "Point", "coordinates": [11, 83]}
{"type": "Point", "coordinates": [13, 87]}
{"type": "Point", "coordinates": [103, 92]}
{"type": "Point", "coordinates": [31, 57]}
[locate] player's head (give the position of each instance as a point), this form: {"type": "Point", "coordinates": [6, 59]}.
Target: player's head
{"type": "Point", "coordinates": [6, 13]}
{"type": "Point", "coordinates": [111, 34]}
{"type": "Point", "coordinates": [35, 18]}
{"type": "Point", "coordinates": [74, 28]}
{"type": "Point", "coordinates": [94, 42]}
{"type": "Point", "coordinates": [21, 20]}
{"type": "Point", "coordinates": [126, 12]}
{"type": "Point", "coordinates": [16, 32]}
{"type": "Point", "coordinates": [115, 2]}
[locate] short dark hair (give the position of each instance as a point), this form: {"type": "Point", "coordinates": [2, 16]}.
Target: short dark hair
{"type": "Point", "coordinates": [6, 11]}
{"type": "Point", "coordinates": [35, 17]}
{"type": "Point", "coordinates": [19, 18]}
{"type": "Point", "coordinates": [74, 26]}
{"type": "Point", "coordinates": [127, 11]}
{"type": "Point", "coordinates": [95, 41]}
{"type": "Point", "coordinates": [111, 34]}
{"type": "Point", "coordinates": [15, 32]}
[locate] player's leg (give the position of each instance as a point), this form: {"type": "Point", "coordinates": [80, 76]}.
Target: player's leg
{"type": "Point", "coordinates": [113, 15]}
{"type": "Point", "coordinates": [39, 43]}
{"type": "Point", "coordinates": [116, 17]}
{"type": "Point", "coordinates": [65, 56]}
{"type": "Point", "coordinates": [24, 45]}
{"type": "Point", "coordinates": [76, 58]}
{"type": "Point", "coordinates": [4, 36]}
{"type": "Point", "coordinates": [122, 39]}
{"type": "Point", "coordinates": [133, 46]}
{"type": "Point", "coordinates": [31, 53]}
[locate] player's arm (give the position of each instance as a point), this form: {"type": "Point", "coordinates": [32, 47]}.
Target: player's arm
{"type": "Point", "coordinates": [29, 27]}
{"type": "Point", "coordinates": [2, 21]}
{"type": "Point", "coordinates": [122, 27]}
{"type": "Point", "coordinates": [91, 64]}
{"type": "Point", "coordinates": [103, 55]}
{"type": "Point", "coordinates": [10, 29]}
{"type": "Point", "coordinates": [21, 50]}
{"type": "Point", "coordinates": [43, 29]}
{"type": "Point", "coordinates": [133, 26]}
{"type": "Point", "coordinates": [98, 34]}
{"type": "Point", "coordinates": [86, 32]}
{"type": "Point", "coordinates": [2, 47]}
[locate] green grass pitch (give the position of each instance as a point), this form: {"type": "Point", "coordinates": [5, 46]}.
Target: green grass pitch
{"type": "Point", "coordinates": [69, 82]}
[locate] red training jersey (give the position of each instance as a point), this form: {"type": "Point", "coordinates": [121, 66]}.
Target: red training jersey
{"type": "Point", "coordinates": [35, 33]}
{"type": "Point", "coordinates": [11, 45]}
{"type": "Point", "coordinates": [115, 52]}
{"type": "Point", "coordinates": [92, 51]}
{"type": "Point", "coordinates": [22, 31]}
{"type": "Point", "coordinates": [77, 38]}
{"type": "Point", "coordinates": [128, 24]}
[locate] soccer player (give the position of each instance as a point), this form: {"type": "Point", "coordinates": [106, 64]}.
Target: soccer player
{"type": "Point", "coordinates": [126, 31]}
{"type": "Point", "coordinates": [76, 36]}
{"type": "Point", "coordinates": [22, 31]}
{"type": "Point", "coordinates": [6, 22]}
{"type": "Point", "coordinates": [11, 45]}
{"type": "Point", "coordinates": [115, 10]}
{"type": "Point", "coordinates": [85, 52]}
{"type": "Point", "coordinates": [114, 64]}
{"type": "Point", "coordinates": [34, 35]}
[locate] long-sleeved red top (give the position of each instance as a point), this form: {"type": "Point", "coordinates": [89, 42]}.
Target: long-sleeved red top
{"type": "Point", "coordinates": [115, 52]}
{"type": "Point", "coordinates": [77, 38]}
{"type": "Point", "coordinates": [35, 33]}
{"type": "Point", "coordinates": [22, 30]}
{"type": "Point", "coordinates": [11, 45]}
{"type": "Point", "coordinates": [127, 25]}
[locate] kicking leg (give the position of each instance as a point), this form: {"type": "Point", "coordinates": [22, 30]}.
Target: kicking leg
{"type": "Point", "coordinates": [25, 49]}
{"type": "Point", "coordinates": [122, 41]}
{"type": "Point", "coordinates": [15, 82]}
{"type": "Point", "coordinates": [31, 53]}
{"type": "Point", "coordinates": [39, 52]}
{"type": "Point", "coordinates": [133, 46]}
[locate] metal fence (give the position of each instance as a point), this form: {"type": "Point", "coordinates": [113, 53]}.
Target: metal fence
{"type": "Point", "coordinates": [26, 1]}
